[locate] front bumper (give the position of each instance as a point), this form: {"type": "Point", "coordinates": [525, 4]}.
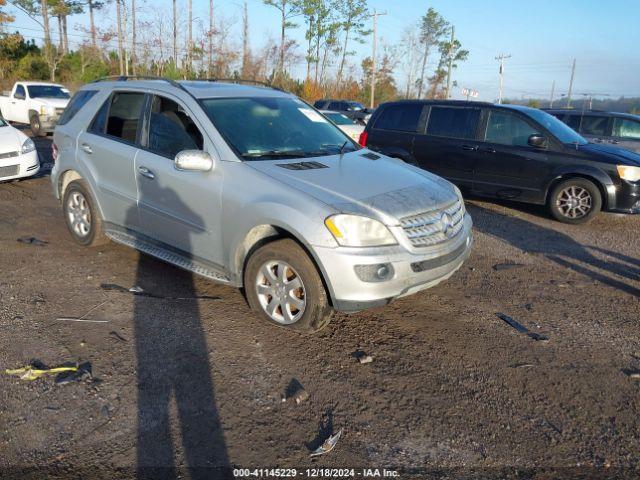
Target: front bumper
{"type": "Point", "coordinates": [413, 271]}
{"type": "Point", "coordinates": [48, 122]}
{"type": "Point", "coordinates": [624, 197]}
{"type": "Point", "coordinates": [19, 166]}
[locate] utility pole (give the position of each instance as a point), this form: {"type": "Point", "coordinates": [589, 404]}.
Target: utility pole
{"type": "Point", "coordinates": [501, 58]}
{"type": "Point", "coordinates": [373, 56]}
{"type": "Point", "coordinates": [450, 66]}
{"type": "Point", "coordinates": [573, 74]}
{"type": "Point", "coordinates": [553, 91]}
{"type": "Point", "coordinates": [211, 26]}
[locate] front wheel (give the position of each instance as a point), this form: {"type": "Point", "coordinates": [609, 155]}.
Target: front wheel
{"type": "Point", "coordinates": [576, 200]}
{"type": "Point", "coordinates": [284, 287]}
{"type": "Point", "coordinates": [36, 126]}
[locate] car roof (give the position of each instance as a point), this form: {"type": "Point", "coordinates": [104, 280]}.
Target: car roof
{"type": "Point", "coordinates": [592, 112]}
{"type": "Point", "coordinates": [30, 84]}
{"type": "Point", "coordinates": [199, 89]}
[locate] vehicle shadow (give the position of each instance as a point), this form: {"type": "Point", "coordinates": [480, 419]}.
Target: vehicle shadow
{"type": "Point", "coordinates": [558, 247]}
{"type": "Point", "coordinates": [173, 368]}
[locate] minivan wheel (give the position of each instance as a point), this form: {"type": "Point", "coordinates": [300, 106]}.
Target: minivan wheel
{"type": "Point", "coordinates": [284, 287]}
{"type": "Point", "coordinates": [576, 200]}
{"type": "Point", "coordinates": [36, 126]}
{"type": "Point", "coordinates": [82, 216]}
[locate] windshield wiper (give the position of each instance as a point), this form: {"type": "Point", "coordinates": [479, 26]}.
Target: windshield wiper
{"type": "Point", "coordinates": [275, 153]}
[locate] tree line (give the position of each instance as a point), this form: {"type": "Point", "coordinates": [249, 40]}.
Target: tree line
{"type": "Point", "coordinates": [154, 41]}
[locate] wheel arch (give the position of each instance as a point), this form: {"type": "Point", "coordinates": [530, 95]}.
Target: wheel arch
{"type": "Point", "coordinates": [598, 178]}
{"type": "Point", "coordinates": [264, 234]}
{"type": "Point", "coordinates": [32, 112]}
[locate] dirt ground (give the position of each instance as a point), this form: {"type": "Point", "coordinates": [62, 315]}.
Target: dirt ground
{"type": "Point", "coordinates": [453, 390]}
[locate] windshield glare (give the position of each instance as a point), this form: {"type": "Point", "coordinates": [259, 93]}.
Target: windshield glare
{"type": "Point", "coordinates": [339, 119]}
{"type": "Point", "coordinates": [563, 132]}
{"type": "Point", "coordinates": [275, 127]}
{"type": "Point", "coordinates": [47, 91]}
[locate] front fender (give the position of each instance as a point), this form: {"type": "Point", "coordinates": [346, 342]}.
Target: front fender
{"type": "Point", "coordinates": [587, 171]}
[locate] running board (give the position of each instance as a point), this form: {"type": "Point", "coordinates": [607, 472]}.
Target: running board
{"type": "Point", "coordinates": [193, 265]}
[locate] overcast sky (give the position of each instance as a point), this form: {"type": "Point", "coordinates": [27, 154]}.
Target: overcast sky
{"type": "Point", "coordinates": [542, 38]}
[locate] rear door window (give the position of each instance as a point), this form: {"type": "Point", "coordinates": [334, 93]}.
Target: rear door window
{"type": "Point", "coordinates": [453, 122]}
{"type": "Point", "coordinates": [124, 116]}
{"type": "Point", "coordinates": [402, 118]}
{"type": "Point", "coordinates": [626, 128]}
{"type": "Point", "coordinates": [171, 129]}
{"type": "Point", "coordinates": [594, 125]}
{"type": "Point", "coordinates": [507, 128]}
{"type": "Point", "coordinates": [77, 102]}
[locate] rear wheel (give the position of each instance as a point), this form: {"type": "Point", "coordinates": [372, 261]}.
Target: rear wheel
{"type": "Point", "coordinates": [82, 216]}
{"type": "Point", "coordinates": [284, 287]}
{"type": "Point", "coordinates": [35, 125]}
{"type": "Point", "coordinates": [576, 200]}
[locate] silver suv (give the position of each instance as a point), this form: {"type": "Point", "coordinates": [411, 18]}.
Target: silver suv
{"type": "Point", "coordinates": [252, 187]}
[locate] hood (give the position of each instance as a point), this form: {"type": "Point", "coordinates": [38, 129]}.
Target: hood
{"type": "Point", "coordinates": [53, 102]}
{"type": "Point", "coordinates": [611, 154]}
{"type": "Point", "coordinates": [11, 139]}
{"type": "Point", "coordinates": [384, 188]}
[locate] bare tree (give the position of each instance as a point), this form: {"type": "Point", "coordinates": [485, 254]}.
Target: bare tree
{"type": "Point", "coordinates": [409, 53]}
{"type": "Point", "coordinates": [246, 54]}
{"type": "Point", "coordinates": [210, 34]}
{"type": "Point", "coordinates": [175, 33]}
{"type": "Point", "coordinates": [120, 42]}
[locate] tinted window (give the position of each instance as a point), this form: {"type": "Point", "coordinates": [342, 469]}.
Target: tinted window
{"type": "Point", "coordinates": [77, 102]}
{"type": "Point", "coordinates": [594, 125]}
{"type": "Point", "coordinates": [19, 91]}
{"type": "Point", "coordinates": [335, 106]}
{"type": "Point", "coordinates": [265, 128]}
{"type": "Point", "coordinates": [573, 121]}
{"type": "Point", "coordinates": [453, 122]}
{"type": "Point", "coordinates": [99, 123]}
{"type": "Point", "coordinates": [171, 129]}
{"type": "Point", "coordinates": [47, 91]}
{"type": "Point", "coordinates": [626, 128]}
{"type": "Point", "coordinates": [124, 115]}
{"type": "Point", "coordinates": [561, 131]}
{"type": "Point", "coordinates": [506, 128]}
{"type": "Point", "coordinates": [403, 118]}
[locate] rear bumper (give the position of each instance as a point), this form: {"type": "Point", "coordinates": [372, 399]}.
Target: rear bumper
{"type": "Point", "coordinates": [19, 167]}
{"type": "Point", "coordinates": [411, 272]}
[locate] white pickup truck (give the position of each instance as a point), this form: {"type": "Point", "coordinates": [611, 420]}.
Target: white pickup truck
{"type": "Point", "coordinates": [39, 104]}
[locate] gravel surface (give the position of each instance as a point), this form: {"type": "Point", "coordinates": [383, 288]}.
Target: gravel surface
{"type": "Point", "coordinates": [452, 388]}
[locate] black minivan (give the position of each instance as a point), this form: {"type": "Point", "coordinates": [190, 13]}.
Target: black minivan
{"type": "Point", "coordinates": [509, 152]}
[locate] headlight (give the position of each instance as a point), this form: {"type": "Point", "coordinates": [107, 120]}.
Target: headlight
{"type": "Point", "coordinates": [631, 174]}
{"type": "Point", "coordinates": [43, 110]}
{"type": "Point", "coordinates": [28, 146]}
{"type": "Point", "coordinates": [356, 231]}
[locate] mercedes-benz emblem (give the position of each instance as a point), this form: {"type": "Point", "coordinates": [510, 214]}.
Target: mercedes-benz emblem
{"type": "Point", "coordinates": [447, 223]}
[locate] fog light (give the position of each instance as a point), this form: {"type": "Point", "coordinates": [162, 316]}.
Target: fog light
{"type": "Point", "coordinates": [374, 273]}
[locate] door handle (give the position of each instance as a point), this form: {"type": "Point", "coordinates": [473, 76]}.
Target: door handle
{"type": "Point", "coordinates": [489, 150]}
{"type": "Point", "coordinates": [87, 148]}
{"type": "Point", "coordinates": [469, 148]}
{"type": "Point", "coordinates": [614, 142]}
{"type": "Point", "coordinates": [145, 172]}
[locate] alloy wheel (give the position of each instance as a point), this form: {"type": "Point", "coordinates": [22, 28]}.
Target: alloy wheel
{"type": "Point", "coordinates": [79, 214]}
{"type": "Point", "coordinates": [281, 292]}
{"type": "Point", "coordinates": [574, 202]}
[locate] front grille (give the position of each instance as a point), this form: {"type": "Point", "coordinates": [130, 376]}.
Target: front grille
{"type": "Point", "coordinates": [9, 171]}
{"type": "Point", "coordinates": [9, 154]}
{"type": "Point", "coordinates": [430, 228]}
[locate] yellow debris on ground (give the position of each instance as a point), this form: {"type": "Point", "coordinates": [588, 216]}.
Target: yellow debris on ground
{"type": "Point", "coordinates": [31, 373]}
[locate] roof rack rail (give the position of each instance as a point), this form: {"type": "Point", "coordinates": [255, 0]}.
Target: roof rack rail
{"type": "Point", "coordinates": [125, 78]}
{"type": "Point", "coordinates": [242, 81]}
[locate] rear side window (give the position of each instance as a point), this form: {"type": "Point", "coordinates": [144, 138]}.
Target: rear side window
{"type": "Point", "coordinates": [124, 115]}
{"type": "Point", "coordinates": [402, 118]}
{"type": "Point", "coordinates": [77, 102]}
{"type": "Point", "coordinates": [625, 128]}
{"type": "Point", "coordinates": [453, 122]}
{"type": "Point", "coordinates": [592, 125]}
{"type": "Point", "coordinates": [573, 121]}
{"type": "Point", "coordinates": [171, 129]}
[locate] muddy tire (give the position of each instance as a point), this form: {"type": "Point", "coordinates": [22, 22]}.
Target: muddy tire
{"type": "Point", "coordinates": [283, 286]}
{"type": "Point", "coordinates": [36, 126]}
{"type": "Point", "coordinates": [82, 215]}
{"type": "Point", "coordinates": [575, 201]}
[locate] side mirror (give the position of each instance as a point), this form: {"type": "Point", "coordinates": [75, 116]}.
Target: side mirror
{"type": "Point", "coordinates": [538, 141]}
{"type": "Point", "coordinates": [193, 160]}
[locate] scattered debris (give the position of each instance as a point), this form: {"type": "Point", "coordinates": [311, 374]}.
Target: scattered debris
{"type": "Point", "coordinates": [33, 241]}
{"type": "Point", "coordinates": [71, 319]}
{"type": "Point", "coordinates": [295, 391]}
{"type": "Point", "coordinates": [138, 291]}
{"type": "Point", "coordinates": [507, 266]}
{"type": "Point", "coordinates": [521, 365]}
{"type": "Point", "coordinates": [81, 372]}
{"type": "Point", "coordinates": [631, 372]}
{"type": "Point", "coordinates": [362, 357]}
{"type": "Point", "coordinates": [36, 370]}
{"type": "Point", "coordinates": [328, 445]}
{"type": "Point", "coordinates": [116, 335]}
{"type": "Point", "coordinates": [521, 328]}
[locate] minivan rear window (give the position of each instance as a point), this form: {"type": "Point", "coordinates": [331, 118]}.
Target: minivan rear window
{"type": "Point", "coordinates": [402, 118]}
{"type": "Point", "coordinates": [453, 122]}
{"type": "Point", "coordinates": [77, 102]}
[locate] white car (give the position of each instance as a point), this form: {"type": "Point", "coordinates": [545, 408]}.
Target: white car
{"type": "Point", "coordinates": [344, 123]}
{"type": "Point", "coordinates": [18, 156]}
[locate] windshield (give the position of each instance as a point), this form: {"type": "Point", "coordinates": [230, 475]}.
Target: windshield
{"type": "Point", "coordinates": [339, 119]}
{"type": "Point", "coordinates": [47, 91]}
{"type": "Point", "coordinates": [564, 133]}
{"type": "Point", "coordinates": [275, 127]}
